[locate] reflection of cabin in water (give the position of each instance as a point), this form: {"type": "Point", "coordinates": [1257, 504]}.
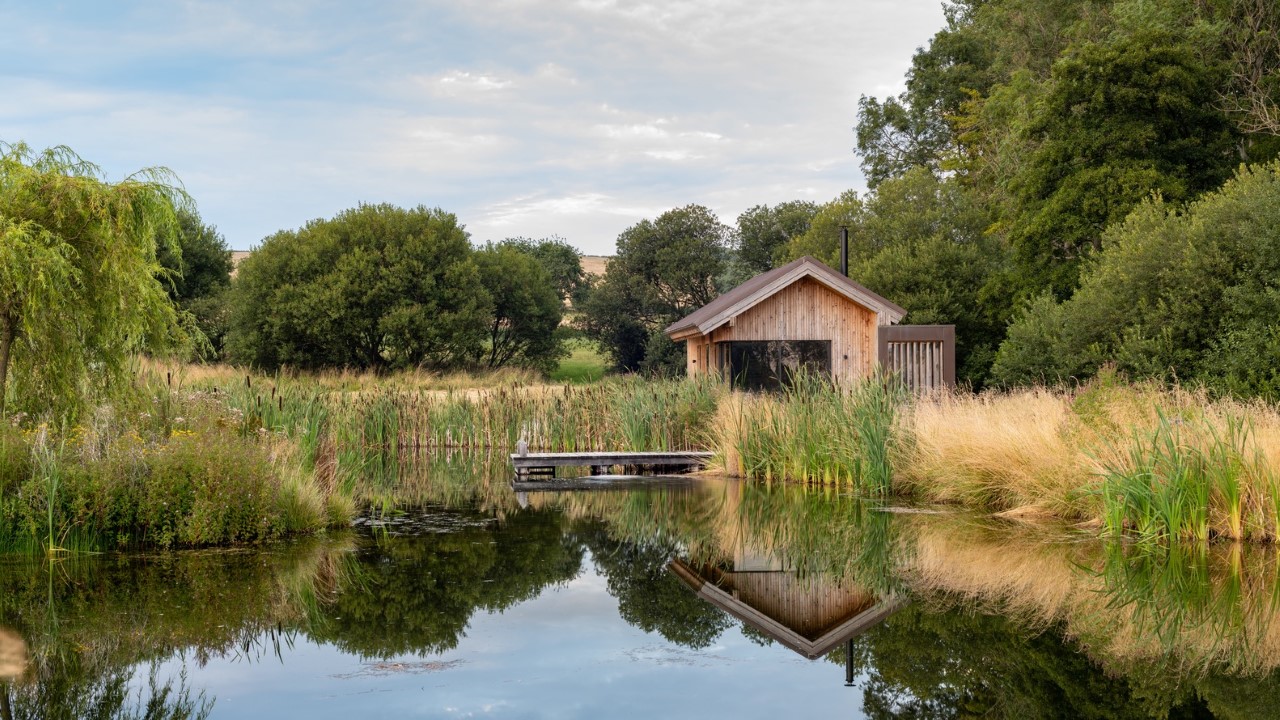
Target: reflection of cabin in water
{"type": "Point", "coordinates": [806, 315]}
{"type": "Point", "coordinates": [810, 615]}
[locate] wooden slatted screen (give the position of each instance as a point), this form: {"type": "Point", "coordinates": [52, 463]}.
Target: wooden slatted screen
{"type": "Point", "coordinates": [923, 357]}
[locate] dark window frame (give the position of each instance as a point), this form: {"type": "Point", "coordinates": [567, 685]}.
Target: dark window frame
{"type": "Point", "coordinates": [769, 365]}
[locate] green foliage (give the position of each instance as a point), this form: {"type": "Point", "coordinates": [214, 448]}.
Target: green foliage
{"type": "Point", "coordinates": [200, 265]}
{"type": "Point", "coordinates": [526, 309]}
{"type": "Point", "coordinates": [210, 490]}
{"type": "Point", "coordinates": [983, 45]}
{"type": "Point", "coordinates": [1122, 119]}
{"type": "Point", "coordinates": [663, 358]}
{"type": "Point", "coordinates": [198, 275]}
{"type": "Point", "coordinates": [763, 232]}
{"type": "Point", "coordinates": [1034, 351]}
{"type": "Point", "coordinates": [914, 129]}
{"type": "Point", "coordinates": [1188, 294]}
{"type": "Point", "coordinates": [79, 287]}
{"type": "Point", "coordinates": [561, 261]}
{"type": "Point", "coordinates": [170, 470]}
{"type": "Point", "coordinates": [375, 287]}
{"type": "Point", "coordinates": [664, 269]}
{"type": "Point", "coordinates": [822, 239]}
{"type": "Point", "coordinates": [1058, 119]}
{"type": "Point", "coordinates": [903, 210]}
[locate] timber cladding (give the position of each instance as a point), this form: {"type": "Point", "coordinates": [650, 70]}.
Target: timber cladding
{"type": "Point", "coordinates": [923, 357]}
{"type": "Point", "coordinates": [804, 310]}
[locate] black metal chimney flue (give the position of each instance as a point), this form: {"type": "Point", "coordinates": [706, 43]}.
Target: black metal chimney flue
{"type": "Point", "coordinates": [848, 660]}
{"type": "Point", "coordinates": [844, 251]}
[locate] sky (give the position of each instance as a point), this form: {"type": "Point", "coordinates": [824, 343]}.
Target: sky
{"type": "Point", "coordinates": [533, 118]}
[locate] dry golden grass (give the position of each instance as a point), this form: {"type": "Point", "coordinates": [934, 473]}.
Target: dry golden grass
{"type": "Point", "coordinates": [354, 381]}
{"type": "Point", "coordinates": [13, 654]}
{"type": "Point", "coordinates": [1005, 451]}
{"type": "Point", "coordinates": [1043, 453]}
{"type": "Point", "coordinates": [726, 433]}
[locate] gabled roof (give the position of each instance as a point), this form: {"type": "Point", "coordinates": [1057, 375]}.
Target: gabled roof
{"type": "Point", "coordinates": [750, 293]}
{"type": "Point", "coordinates": [858, 620]}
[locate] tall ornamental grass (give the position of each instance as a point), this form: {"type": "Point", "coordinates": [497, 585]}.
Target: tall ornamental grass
{"type": "Point", "coordinates": [1138, 460]}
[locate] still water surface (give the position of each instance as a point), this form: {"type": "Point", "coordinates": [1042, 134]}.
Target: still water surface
{"type": "Point", "coordinates": [705, 598]}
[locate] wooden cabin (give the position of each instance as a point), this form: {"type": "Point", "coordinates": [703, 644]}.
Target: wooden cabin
{"type": "Point", "coordinates": [803, 314]}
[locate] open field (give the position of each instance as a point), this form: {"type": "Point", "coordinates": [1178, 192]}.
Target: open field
{"type": "Point", "coordinates": [595, 264]}
{"type": "Point", "coordinates": [584, 364]}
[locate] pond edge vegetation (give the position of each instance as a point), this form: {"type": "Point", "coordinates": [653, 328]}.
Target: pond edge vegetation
{"type": "Point", "coordinates": [223, 458]}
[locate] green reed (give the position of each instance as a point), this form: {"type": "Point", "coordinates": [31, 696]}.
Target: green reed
{"type": "Point", "coordinates": [815, 431]}
{"type": "Point", "coordinates": [1171, 482]}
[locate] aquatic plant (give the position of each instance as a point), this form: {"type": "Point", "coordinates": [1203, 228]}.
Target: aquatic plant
{"type": "Point", "coordinates": [1186, 478]}
{"type": "Point", "coordinates": [814, 431]}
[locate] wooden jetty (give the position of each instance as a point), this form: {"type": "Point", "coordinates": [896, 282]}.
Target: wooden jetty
{"type": "Point", "coordinates": [543, 465]}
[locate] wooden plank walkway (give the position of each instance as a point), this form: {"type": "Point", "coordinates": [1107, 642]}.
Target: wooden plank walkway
{"type": "Point", "coordinates": [634, 463]}
{"type": "Point", "coordinates": [605, 483]}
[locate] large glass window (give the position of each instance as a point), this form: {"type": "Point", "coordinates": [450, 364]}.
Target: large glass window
{"type": "Point", "coordinates": [771, 364]}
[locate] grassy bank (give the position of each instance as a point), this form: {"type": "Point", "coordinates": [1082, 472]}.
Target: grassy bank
{"type": "Point", "coordinates": [168, 467]}
{"type": "Point", "coordinates": [206, 456]}
{"type": "Point", "coordinates": [1135, 460]}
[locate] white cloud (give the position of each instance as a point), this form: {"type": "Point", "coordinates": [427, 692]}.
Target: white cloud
{"type": "Point", "coordinates": [673, 155]}
{"type": "Point", "coordinates": [460, 82]}
{"type": "Point", "coordinates": [523, 116]}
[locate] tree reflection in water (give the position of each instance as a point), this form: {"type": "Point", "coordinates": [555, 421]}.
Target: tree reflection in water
{"type": "Point", "coordinates": [1002, 623]}
{"type": "Point", "coordinates": [69, 696]}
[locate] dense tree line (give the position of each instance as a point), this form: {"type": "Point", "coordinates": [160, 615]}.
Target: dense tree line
{"type": "Point", "coordinates": [1057, 181]}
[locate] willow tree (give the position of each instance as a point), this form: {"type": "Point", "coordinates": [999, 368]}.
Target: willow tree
{"type": "Point", "coordinates": [80, 288]}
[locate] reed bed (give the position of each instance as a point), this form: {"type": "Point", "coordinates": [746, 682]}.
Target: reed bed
{"type": "Point", "coordinates": [345, 380]}
{"type": "Point", "coordinates": [361, 435]}
{"type": "Point", "coordinates": [1137, 460]}
{"type": "Point", "coordinates": [813, 432]}
{"type": "Point", "coordinates": [1141, 461]}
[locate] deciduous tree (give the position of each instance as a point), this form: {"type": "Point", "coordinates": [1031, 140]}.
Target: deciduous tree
{"type": "Point", "coordinates": [1188, 294]}
{"type": "Point", "coordinates": [664, 269]}
{"type": "Point", "coordinates": [561, 261]}
{"type": "Point", "coordinates": [375, 287]}
{"type": "Point", "coordinates": [79, 280]}
{"type": "Point", "coordinates": [527, 308]}
{"type": "Point", "coordinates": [764, 231]}
{"type": "Point", "coordinates": [199, 276]}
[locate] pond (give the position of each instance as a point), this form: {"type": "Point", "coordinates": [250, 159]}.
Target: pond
{"type": "Point", "coordinates": [701, 597]}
